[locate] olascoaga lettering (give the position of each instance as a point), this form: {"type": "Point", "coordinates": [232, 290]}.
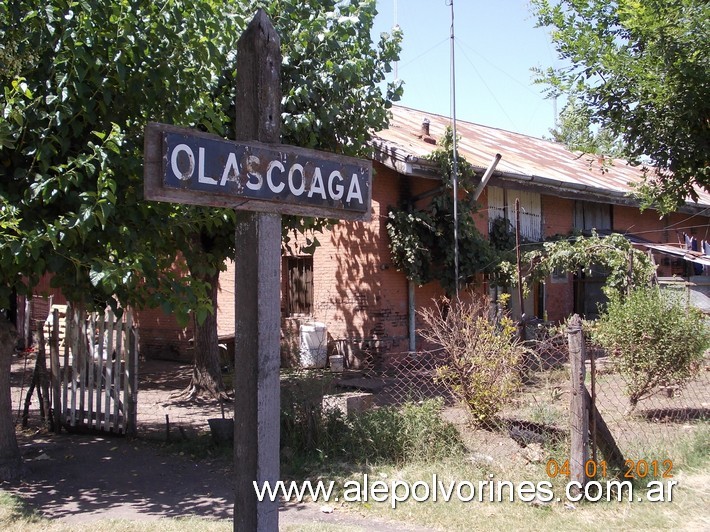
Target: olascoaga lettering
{"type": "Point", "coordinates": [264, 172]}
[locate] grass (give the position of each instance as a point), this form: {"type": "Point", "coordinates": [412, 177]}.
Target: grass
{"type": "Point", "coordinates": [688, 510]}
{"type": "Point", "coordinates": [408, 444]}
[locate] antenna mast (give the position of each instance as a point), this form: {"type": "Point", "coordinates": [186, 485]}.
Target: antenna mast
{"type": "Point", "coordinates": [455, 170]}
{"type": "Point", "coordinates": [396, 26]}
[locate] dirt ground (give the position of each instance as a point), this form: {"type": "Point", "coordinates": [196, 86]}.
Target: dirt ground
{"type": "Point", "coordinates": [84, 477]}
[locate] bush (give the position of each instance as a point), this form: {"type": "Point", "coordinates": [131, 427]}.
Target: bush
{"type": "Point", "coordinates": [484, 355]}
{"type": "Point", "coordinates": [653, 339]}
{"type": "Point", "coordinates": [414, 432]}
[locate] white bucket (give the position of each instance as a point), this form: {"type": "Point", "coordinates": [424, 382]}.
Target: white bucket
{"type": "Point", "coordinates": [313, 350]}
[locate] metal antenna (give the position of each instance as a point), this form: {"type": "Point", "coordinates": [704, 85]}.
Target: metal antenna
{"type": "Point", "coordinates": [395, 26]}
{"type": "Point", "coordinates": [455, 169]}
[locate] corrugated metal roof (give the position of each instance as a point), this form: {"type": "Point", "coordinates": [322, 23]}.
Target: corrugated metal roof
{"type": "Point", "coordinates": [525, 159]}
{"type": "Point", "coordinates": [692, 256]}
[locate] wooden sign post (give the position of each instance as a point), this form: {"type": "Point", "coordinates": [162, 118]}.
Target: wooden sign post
{"type": "Point", "coordinates": [257, 399]}
{"type": "Point", "coordinates": [265, 180]}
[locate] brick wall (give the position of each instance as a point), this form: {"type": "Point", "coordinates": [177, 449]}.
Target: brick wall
{"type": "Point", "coordinates": [558, 219]}
{"type": "Point", "coordinates": [357, 291]}
{"type": "Point", "coordinates": [225, 301]}
{"type": "Point", "coordinates": [161, 337]}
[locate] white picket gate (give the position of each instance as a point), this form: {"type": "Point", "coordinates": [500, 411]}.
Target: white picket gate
{"type": "Point", "coordinates": [95, 371]}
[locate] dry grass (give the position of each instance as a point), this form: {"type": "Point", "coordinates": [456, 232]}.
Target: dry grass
{"type": "Point", "coordinates": [688, 511]}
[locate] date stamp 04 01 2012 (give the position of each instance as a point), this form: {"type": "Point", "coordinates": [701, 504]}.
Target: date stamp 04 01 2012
{"type": "Point", "coordinates": [633, 469]}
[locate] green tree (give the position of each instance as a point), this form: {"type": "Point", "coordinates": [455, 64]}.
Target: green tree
{"type": "Point", "coordinates": [574, 129]}
{"type": "Point", "coordinates": [653, 339]}
{"type": "Point", "coordinates": [642, 71]}
{"type": "Point", "coordinates": [81, 84]}
{"type": "Point", "coordinates": [80, 80]}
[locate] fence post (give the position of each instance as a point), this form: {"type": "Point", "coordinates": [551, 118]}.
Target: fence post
{"type": "Point", "coordinates": [26, 323]}
{"type": "Point", "coordinates": [131, 377]}
{"type": "Point", "coordinates": [57, 406]}
{"type": "Point", "coordinates": [579, 416]}
{"type": "Point", "coordinates": [68, 341]}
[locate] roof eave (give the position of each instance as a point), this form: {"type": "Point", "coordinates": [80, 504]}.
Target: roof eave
{"type": "Point", "coordinates": [579, 191]}
{"type": "Point", "coordinates": [396, 158]}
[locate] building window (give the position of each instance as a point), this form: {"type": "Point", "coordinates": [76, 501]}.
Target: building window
{"type": "Point", "coordinates": [588, 294]}
{"type": "Point", "coordinates": [589, 215]}
{"type": "Point", "coordinates": [501, 204]}
{"type": "Point", "coordinates": [299, 285]}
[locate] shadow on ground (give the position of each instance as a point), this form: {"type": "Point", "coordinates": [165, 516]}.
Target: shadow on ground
{"type": "Point", "coordinates": [77, 476]}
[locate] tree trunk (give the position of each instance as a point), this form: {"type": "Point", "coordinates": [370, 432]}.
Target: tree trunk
{"type": "Point", "coordinates": [206, 367]}
{"type": "Point", "coordinates": [10, 460]}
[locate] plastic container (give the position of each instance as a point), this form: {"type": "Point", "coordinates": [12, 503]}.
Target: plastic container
{"type": "Point", "coordinates": [313, 350]}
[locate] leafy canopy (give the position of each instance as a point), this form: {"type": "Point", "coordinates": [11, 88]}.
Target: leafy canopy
{"type": "Point", "coordinates": [574, 130]}
{"type": "Point", "coordinates": [627, 266]}
{"type": "Point", "coordinates": [642, 70]}
{"type": "Point", "coordinates": [78, 82]}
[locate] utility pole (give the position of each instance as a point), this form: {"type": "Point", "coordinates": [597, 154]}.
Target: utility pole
{"type": "Point", "coordinates": [454, 166]}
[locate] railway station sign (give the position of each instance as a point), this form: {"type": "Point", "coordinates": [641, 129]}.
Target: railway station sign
{"type": "Point", "coordinates": [188, 166]}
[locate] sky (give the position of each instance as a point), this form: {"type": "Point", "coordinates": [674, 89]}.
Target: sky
{"type": "Point", "coordinates": [496, 45]}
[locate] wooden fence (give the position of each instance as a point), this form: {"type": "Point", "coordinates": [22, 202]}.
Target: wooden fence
{"type": "Point", "coordinates": [587, 426]}
{"type": "Point", "coordinates": [93, 363]}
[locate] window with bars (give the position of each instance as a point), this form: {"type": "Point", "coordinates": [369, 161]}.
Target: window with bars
{"type": "Point", "coordinates": [501, 204]}
{"type": "Point", "coordinates": [299, 285]}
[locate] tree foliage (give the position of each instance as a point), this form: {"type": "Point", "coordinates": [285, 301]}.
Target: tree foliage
{"type": "Point", "coordinates": [86, 79]}
{"type": "Point", "coordinates": [642, 70]}
{"type": "Point", "coordinates": [81, 79]}
{"type": "Point", "coordinates": [653, 340]}
{"type": "Point", "coordinates": [422, 239]}
{"type": "Point", "coordinates": [627, 266]}
{"type": "Point", "coordinates": [574, 129]}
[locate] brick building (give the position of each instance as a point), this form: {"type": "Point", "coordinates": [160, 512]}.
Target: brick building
{"type": "Point", "coordinates": [352, 287]}
{"type": "Point", "coordinates": [350, 284]}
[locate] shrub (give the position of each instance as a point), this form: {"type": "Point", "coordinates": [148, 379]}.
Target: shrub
{"type": "Point", "coordinates": [484, 355]}
{"type": "Point", "coordinates": [413, 432]}
{"type": "Point", "coordinates": [653, 339]}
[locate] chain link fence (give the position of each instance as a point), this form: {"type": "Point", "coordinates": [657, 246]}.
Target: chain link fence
{"type": "Point", "coordinates": [656, 424]}
{"type": "Point", "coordinates": [540, 411]}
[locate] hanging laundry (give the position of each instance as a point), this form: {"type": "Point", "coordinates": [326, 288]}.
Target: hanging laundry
{"type": "Point", "coordinates": [691, 244]}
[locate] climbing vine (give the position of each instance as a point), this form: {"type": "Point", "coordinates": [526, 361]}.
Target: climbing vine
{"type": "Point", "coordinates": [422, 239]}
{"type": "Point", "coordinates": [627, 266]}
